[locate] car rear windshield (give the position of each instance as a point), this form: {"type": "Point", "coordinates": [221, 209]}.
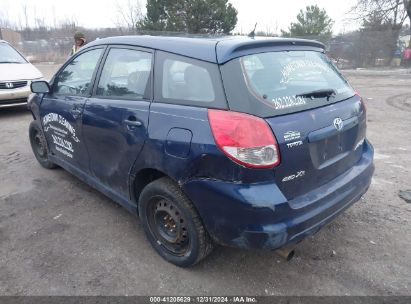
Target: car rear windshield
{"type": "Point", "coordinates": [284, 82]}
{"type": "Point", "coordinates": [10, 55]}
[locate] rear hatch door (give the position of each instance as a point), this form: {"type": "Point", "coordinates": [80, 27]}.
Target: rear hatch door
{"type": "Point", "coordinates": [317, 145]}
{"type": "Point", "coordinates": [318, 120]}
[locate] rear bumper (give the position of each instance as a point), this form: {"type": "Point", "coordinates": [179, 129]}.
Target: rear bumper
{"type": "Point", "coordinates": [259, 216]}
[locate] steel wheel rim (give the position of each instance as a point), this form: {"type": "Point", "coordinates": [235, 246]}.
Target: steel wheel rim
{"type": "Point", "coordinates": [38, 145]}
{"type": "Point", "coordinates": [168, 226]}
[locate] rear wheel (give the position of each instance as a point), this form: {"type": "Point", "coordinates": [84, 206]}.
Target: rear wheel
{"type": "Point", "coordinates": [39, 145]}
{"type": "Point", "coordinates": [172, 224]}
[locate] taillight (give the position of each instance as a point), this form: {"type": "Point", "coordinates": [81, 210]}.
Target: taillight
{"type": "Point", "coordinates": [246, 139]}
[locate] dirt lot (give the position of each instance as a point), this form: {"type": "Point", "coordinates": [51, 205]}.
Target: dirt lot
{"type": "Point", "coordinates": [58, 236]}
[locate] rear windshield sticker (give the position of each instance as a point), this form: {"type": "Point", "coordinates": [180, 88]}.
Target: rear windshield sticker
{"type": "Point", "coordinates": [288, 72]}
{"type": "Point", "coordinates": [62, 133]}
{"type": "Point", "coordinates": [292, 135]}
{"type": "Point", "coordinates": [288, 102]}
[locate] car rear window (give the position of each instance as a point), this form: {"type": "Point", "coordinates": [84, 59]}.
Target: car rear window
{"type": "Point", "coordinates": [285, 82]}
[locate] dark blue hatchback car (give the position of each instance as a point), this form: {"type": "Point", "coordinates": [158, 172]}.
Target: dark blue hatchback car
{"type": "Point", "coordinates": [251, 143]}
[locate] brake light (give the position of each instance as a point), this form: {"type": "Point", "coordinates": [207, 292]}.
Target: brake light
{"type": "Point", "coordinates": [246, 139]}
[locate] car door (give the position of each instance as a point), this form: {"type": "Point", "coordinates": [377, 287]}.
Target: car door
{"type": "Point", "coordinates": [61, 109]}
{"type": "Point", "coordinates": [115, 119]}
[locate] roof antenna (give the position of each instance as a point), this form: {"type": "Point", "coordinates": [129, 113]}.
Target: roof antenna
{"type": "Point", "coordinates": [252, 33]}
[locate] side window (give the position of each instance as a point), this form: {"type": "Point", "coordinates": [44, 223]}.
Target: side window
{"type": "Point", "coordinates": [76, 77]}
{"type": "Point", "coordinates": [186, 81]}
{"type": "Point", "coordinates": [125, 74]}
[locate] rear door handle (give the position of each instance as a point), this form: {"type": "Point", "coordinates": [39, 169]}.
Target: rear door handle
{"type": "Point", "coordinates": [133, 123]}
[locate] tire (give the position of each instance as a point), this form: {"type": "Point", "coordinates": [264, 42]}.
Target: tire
{"type": "Point", "coordinates": [172, 224]}
{"type": "Point", "coordinates": [39, 145]}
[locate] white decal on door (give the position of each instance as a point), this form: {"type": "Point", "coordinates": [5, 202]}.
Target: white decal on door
{"type": "Point", "coordinates": [62, 132]}
{"type": "Point", "coordinates": [62, 143]}
{"type": "Point", "coordinates": [54, 117]}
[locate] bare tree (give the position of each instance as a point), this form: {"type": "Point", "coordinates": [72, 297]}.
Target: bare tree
{"type": "Point", "coordinates": [4, 21]}
{"type": "Point", "coordinates": [407, 5]}
{"type": "Point", "coordinates": [129, 14]}
{"type": "Point", "coordinates": [390, 11]}
{"type": "Point", "coordinates": [25, 14]}
{"type": "Point", "coordinates": [40, 23]}
{"type": "Point", "coordinates": [53, 9]}
{"type": "Point", "coordinates": [69, 23]}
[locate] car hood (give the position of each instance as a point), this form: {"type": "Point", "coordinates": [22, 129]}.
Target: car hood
{"type": "Point", "coordinates": [18, 71]}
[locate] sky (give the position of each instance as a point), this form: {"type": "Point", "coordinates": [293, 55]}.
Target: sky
{"type": "Point", "coordinates": [271, 15]}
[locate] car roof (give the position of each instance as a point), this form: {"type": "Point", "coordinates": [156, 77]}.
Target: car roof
{"type": "Point", "coordinates": [216, 50]}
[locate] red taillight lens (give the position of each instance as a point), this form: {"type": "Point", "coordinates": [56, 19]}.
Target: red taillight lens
{"type": "Point", "coordinates": [246, 139]}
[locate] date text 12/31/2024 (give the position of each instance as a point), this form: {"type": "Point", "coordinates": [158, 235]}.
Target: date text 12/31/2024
{"type": "Point", "coordinates": [204, 299]}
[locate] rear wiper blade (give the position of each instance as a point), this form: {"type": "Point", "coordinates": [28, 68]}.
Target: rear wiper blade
{"type": "Point", "coordinates": [10, 62]}
{"type": "Point", "coordinates": [319, 93]}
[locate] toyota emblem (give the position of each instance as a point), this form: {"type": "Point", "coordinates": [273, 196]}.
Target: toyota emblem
{"type": "Point", "coordinates": [338, 123]}
{"type": "Point", "coordinates": [9, 85]}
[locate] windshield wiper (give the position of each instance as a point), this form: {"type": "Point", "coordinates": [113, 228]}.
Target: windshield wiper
{"type": "Point", "coordinates": [319, 94]}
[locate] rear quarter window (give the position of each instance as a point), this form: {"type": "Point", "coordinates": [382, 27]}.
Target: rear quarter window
{"type": "Point", "coordinates": [276, 83]}
{"type": "Point", "coordinates": [186, 81]}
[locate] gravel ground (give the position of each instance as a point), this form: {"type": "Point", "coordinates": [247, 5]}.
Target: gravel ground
{"type": "Point", "coordinates": [58, 236]}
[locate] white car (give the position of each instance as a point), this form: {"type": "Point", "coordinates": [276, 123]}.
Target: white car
{"type": "Point", "coordinates": [16, 75]}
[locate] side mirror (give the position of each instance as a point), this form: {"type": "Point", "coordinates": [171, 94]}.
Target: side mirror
{"type": "Point", "coordinates": [40, 87]}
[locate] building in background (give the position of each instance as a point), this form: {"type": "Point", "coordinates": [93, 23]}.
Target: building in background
{"type": "Point", "coordinates": [12, 37]}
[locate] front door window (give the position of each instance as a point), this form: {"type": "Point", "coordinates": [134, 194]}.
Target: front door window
{"type": "Point", "coordinates": [75, 79]}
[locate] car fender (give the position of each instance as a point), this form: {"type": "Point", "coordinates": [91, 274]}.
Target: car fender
{"type": "Point", "coordinates": [33, 105]}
